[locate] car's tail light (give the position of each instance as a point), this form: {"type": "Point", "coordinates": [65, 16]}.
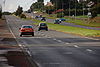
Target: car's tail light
{"type": "Point", "coordinates": [22, 30]}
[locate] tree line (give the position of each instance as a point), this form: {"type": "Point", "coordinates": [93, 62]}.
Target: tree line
{"type": "Point", "coordinates": [73, 5]}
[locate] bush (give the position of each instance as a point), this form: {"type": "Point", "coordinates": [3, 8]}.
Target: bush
{"type": "Point", "coordinates": [59, 15]}
{"type": "Point", "coordinates": [22, 16]}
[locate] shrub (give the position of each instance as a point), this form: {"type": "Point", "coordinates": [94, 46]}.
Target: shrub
{"type": "Point", "coordinates": [22, 16]}
{"type": "Point", "coordinates": [59, 15]}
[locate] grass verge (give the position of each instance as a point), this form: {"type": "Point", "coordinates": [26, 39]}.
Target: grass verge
{"type": "Point", "coordinates": [72, 30]}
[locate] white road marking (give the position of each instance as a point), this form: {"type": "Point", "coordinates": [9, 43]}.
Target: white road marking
{"type": "Point", "coordinates": [54, 39]}
{"type": "Point", "coordinates": [29, 53]}
{"type": "Point", "coordinates": [59, 40]}
{"type": "Point", "coordinates": [89, 50]}
{"type": "Point", "coordinates": [11, 30]}
{"type": "Point", "coordinates": [68, 53]}
{"type": "Point", "coordinates": [92, 38]}
{"type": "Point", "coordinates": [51, 63]}
{"type": "Point", "coordinates": [76, 46]}
{"type": "Point", "coordinates": [67, 43]}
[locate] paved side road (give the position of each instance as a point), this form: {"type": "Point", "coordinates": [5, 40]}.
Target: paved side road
{"type": "Point", "coordinates": [10, 53]}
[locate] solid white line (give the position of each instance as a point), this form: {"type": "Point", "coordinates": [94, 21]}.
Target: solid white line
{"type": "Point", "coordinates": [29, 53]}
{"type": "Point", "coordinates": [10, 30]}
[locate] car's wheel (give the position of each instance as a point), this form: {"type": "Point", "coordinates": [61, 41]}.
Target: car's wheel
{"type": "Point", "coordinates": [20, 35]}
{"type": "Point", "coordinates": [32, 34]}
{"type": "Point", "coordinates": [46, 29]}
{"type": "Point", "coordinates": [39, 29]}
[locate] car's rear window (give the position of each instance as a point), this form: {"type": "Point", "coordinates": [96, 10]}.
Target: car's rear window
{"type": "Point", "coordinates": [27, 26]}
{"type": "Point", "coordinates": [43, 24]}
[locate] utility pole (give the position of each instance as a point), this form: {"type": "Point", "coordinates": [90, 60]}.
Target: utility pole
{"type": "Point", "coordinates": [0, 7]}
{"type": "Point", "coordinates": [75, 9]}
{"type": "Point", "coordinates": [69, 8]}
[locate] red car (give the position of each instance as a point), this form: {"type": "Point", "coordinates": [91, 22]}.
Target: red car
{"type": "Point", "coordinates": [26, 30]}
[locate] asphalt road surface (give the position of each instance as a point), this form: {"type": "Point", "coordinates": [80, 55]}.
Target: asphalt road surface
{"type": "Point", "coordinates": [56, 49]}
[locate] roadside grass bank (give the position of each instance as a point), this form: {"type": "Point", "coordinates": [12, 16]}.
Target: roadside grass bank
{"type": "Point", "coordinates": [69, 29]}
{"type": "Point", "coordinates": [90, 23]}
{"type": "Point", "coordinates": [80, 20]}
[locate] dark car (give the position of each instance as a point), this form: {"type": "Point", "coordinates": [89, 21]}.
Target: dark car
{"type": "Point", "coordinates": [62, 19]}
{"type": "Point", "coordinates": [43, 19]}
{"type": "Point", "coordinates": [36, 16]}
{"type": "Point", "coordinates": [26, 30]}
{"type": "Point", "coordinates": [57, 21]}
{"type": "Point", "coordinates": [43, 26]}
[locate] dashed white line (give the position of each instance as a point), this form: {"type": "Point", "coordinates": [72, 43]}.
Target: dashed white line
{"type": "Point", "coordinates": [76, 46]}
{"type": "Point", "coordinates": [89, 50]}
{"type": "Point", "coordinates": [59, 40]}
{"type": "Point", "coordinates": [54, 39]}
{"type": "Point", "coordinates": [66, 43]}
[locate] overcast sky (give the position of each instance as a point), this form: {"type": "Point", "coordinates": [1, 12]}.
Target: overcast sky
{"type": "Point", "coordinates": [11, 5]}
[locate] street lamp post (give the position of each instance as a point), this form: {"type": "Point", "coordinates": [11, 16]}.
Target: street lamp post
{"type": "Point", "coordinates": [75, 9]}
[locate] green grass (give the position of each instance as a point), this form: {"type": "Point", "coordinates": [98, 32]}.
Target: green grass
{"type": "Point", "coordinates": [77, 22]}
{"type": "Point", "coordinates": [85, 16]}
{"type": "Point", "coordinates": [98, 15]}
{"type": "Point", "coordinates": [82, 22]}
{"type": "Point", "coordinates": [69, 29]}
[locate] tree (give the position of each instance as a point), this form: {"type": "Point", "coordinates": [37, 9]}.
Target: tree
{"type": "Point", "coordinates": [0, 14]}
{"type": "Point", "coordinates": [40, 0]}
{"type": "Point", "coordinates": [49, 9]}
{"type": "Point", "coordinates": [0, 11]}
{"type": "Point", "coordinates": [37, 6]}
{"type": "Point", "coordinates": [19, 11]}
{"type": "Point", "coordinates": [95, 10]}
{"type": "Point", "coordinates": [64, 4]}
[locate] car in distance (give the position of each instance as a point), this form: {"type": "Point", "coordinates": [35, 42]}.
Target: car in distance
{"type": "Point", "coordinates": [43, 19]}
{"type": "Point", "coordinates": [26, 30]}
{"type": "Point", "coordinates": [57, 21]}
{"type": "Point", "coordinates": [43, 26]}
{"type": "Point", "coordinates": [62, 19]}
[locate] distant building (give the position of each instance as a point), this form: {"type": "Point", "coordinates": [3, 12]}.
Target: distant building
{"type": "Point", "coordinates": [49, 4]}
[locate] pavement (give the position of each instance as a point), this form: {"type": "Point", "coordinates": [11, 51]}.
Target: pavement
{"type": "Point", "coordinates": [11, 55]}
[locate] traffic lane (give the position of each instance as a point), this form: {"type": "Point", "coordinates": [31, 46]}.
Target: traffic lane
{"type": "Point", "coordinates": [41, 55]}
{"type": "Point", "coordinates": [55, 35]}
{"type": "Point", "coordinates": [15, 23]}
{"type": "Point", "coordinates": [65, 56]}
{"type": "Point", "coordinates": [38, 41]}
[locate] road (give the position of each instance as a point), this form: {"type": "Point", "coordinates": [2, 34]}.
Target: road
{"type": "Point", "coordinates": [56, 49]}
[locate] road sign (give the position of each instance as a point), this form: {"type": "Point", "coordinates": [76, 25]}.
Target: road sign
{"type": "Point", "coordinates": [89, 14]}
